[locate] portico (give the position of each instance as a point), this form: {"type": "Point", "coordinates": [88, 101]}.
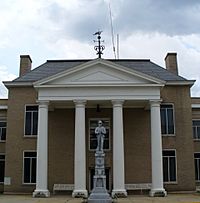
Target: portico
{"type": "Point", "coordinates": [95, 81]}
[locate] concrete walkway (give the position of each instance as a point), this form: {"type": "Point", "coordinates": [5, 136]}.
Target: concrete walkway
{"type": "Point", "coordinates": [172, 198]}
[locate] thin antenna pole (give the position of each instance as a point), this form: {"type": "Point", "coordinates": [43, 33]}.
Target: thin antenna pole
{"type": "Point", "coordinates": [112, 31]}
{"type": "Point", "coordinates": [117, 46]}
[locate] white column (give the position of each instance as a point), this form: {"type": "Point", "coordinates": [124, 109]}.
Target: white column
{"type": "Point", "coordinates": [156, 151]}
{"type": "Point", "coordinates": [80, 153]}
{"type": "Point", "coordinates": [42, 152]}
{"type": "Point", "coordinates": [118, 149]}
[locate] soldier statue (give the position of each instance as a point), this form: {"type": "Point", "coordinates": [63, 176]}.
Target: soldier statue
{"type": "Point", "coordinates": [100, 132]}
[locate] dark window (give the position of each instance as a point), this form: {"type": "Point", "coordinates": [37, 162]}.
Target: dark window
{"type": "Point", "coordinates": [93, 138]}
{"type": "Point", "coordinates": [167, 119]}
{"type": "Point", "coordinates": [169, 165]}
{"type": "Point", "coordinates": [31, 122]}
{"type": "Point", "coordinates": [197, 166]}
{"type": "Point", "coordinates": [2, 167]}
{"type": "Point", "coordinates": [196, 129]}
{"type": "Point", "coordinates": [2, 130]}
{"type": "Point", "coordinates": [30, 167]}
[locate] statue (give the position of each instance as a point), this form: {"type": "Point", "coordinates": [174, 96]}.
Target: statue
{"type": "Point", "coordinates": [100, 132]}
{"type": "Point", "coordinates": [99, 193]}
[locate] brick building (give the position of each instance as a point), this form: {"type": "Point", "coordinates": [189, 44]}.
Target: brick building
{"type": "Point", "coordinates": [47, 127]}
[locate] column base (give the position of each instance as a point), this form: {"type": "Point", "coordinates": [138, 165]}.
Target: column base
{"type": "Point", "coordinates": [80, 193]}
{"type": "Point", "coordinates": [41, 193]}
{"type": "Point", "coordinates": [119, 193]}
{"type": "Point", "coordinates": [157, 193]}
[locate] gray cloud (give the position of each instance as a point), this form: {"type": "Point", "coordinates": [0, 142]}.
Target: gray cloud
{"type": "Point", "coordinates": [81, 23]}
{"type": "Point", "coordinates": [171, 17]}
{"type": "Point", "coordinates": [179, 17]}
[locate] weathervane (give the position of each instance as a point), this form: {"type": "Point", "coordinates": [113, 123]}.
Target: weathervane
{"type": "Point", "coordinates": [99, 48]}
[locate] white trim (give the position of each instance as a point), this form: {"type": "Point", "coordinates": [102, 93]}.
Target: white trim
{"type": "Point", "coordinates": [99, 93]}
{"type": "Point", "coordinates": [23, 167]}
{"type": "Point", "coordinates": [28, 136]}
{"type": "Point", "coordinates": [3, 107]}
{"type": "Point", "coordinates": [195, 106]}
{"type": "Point", "coordinates": [174, 119]}
{"type": "Point", "coordinates": [3, 121]}
{"type": "Point", "coordinates": [185, 82]}
{"type": "Point", "coordinates": [102, 119]}
{"type": "Point", "coordinates": [102, 84]}
{"type": "Point", "coordinates": [195, 139]}
{"type": "Point", "coordinates": [4, 165]}
{"type": "Point", "coordinates": [170, 182]}
{"type": "Point", "coordinates": [198, 167]}
{"type": "Point", "coordinates": [17, 83]}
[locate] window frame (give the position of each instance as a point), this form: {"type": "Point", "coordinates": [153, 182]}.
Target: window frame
{"type": "Point", "coordinates": [170, 182]}
{"type": "Point", "coordinates": [4, 166]}
{"type": "Point", "coordinates": [3, 120]}
{"type": "Point", "coordinates": [197, 181]}
{"type": "Point", "coordinates": [109, 139]}
{"type": "Point", "coordinates": [29, 136]}
{"type": "Point", "coordinates": [24, 165]}
{"type": "Point", "coordinates": [195, 139]}
{"type": "Point", "coordinates": [168, 134]}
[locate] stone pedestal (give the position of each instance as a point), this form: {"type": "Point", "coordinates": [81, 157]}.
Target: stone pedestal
{"type": "Point", "coordinates": [99, 193]}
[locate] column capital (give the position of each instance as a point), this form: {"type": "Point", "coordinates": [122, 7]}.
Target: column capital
{"type": "Point", "coordinates": [155, 103]}
{"type": "Point", "coordinates": [117, 102]}
{"type": "Point", "coordinates": [80, 102]}
{"type": "Point", "coordinates": [45, 102]}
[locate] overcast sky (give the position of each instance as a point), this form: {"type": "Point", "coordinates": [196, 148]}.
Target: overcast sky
{"type": "Point", "coordinates": [62, 29]}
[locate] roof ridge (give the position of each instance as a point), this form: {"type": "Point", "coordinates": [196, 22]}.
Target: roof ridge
{"type": "Point", "coordinates": [67, 60]}
{"type": "Point", "coordinates": [82, 60]}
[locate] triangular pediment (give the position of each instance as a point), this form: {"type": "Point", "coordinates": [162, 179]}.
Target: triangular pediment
{"type": "Point", "coordinates": [99, 72]}
{"type": "Point", "coordinates": [99, 76]}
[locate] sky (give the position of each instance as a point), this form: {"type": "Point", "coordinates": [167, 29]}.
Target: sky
{"type": "Point", "coordinates": [63, 29]}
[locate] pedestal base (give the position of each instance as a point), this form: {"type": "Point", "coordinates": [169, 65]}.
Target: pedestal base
{"type": "Point", "coordinates": [119, 193]}
{"type": "Point", "coordinates": [158, 193]}
{"type": "Point", "coordinates": [80, 193]}
{"type": "Point", "coordinates": [99, 195]}
{"type": "Point", "coordinates": [41, 193]}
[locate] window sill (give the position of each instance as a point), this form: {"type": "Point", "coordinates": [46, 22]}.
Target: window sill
{"type": "Point", "coordinates": [1, 183]}
{"type": "Point", "coordinates": [30, 136]}
{"type": "Point", "coordinates": [2, 141]}
{"type": "Point", "coordinates": [171, 183]}
{"type": "Point", "coordinates": [29, 184]}
{"type": "Point", "coordinates": [168, 135]}
{"type": "Point", "coordinates": [196, 140]}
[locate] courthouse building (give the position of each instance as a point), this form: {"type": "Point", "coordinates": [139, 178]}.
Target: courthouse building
{"type": "Point", "coordinates": [47, 140]}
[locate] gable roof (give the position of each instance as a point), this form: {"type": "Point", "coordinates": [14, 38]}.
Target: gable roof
{"type": "Point", "coordinates": [52, 67]}
{"type": "Point", "coordinates": [98, 72]}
